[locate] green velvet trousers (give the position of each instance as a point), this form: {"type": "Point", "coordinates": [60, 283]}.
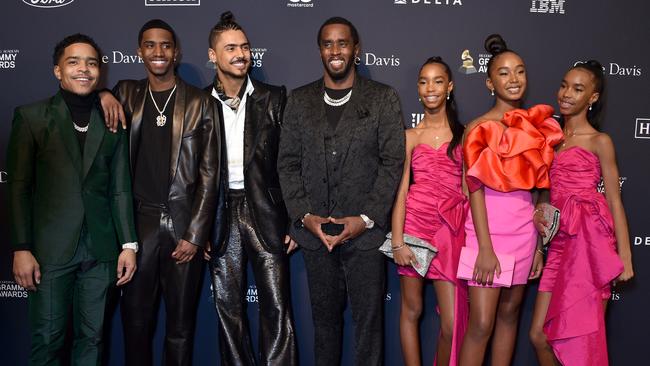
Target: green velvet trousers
{"type": "Point", "coordinates": [76, 291]}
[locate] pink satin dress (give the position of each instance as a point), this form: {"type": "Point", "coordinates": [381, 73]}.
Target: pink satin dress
{"type": "Point", "coordinates": [436, 208]}
{"type": "Point", "coordinates": [581, 262]}
{"type": "Point", "coordinates": [435, 211]}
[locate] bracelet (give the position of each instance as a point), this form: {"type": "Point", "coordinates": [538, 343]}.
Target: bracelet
{"type": "Point", "coordinates": [396, 248]}
{"type": "Point", "coordinates": [539, 251]}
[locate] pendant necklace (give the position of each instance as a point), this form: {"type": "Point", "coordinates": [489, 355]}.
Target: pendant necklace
{"type": "Point", "coordinates": [161, 119]}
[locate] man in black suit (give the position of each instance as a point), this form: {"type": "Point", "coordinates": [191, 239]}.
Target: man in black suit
{"type": "Point", "coordinates": [340, 161]}
{"type": "Point", "coordinates": [174, 150]}
{"type": "Point", "coordinates": [251, 221]}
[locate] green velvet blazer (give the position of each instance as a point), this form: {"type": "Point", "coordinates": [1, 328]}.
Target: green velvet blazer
{"type": "Point", "coordinates": [53, 186]}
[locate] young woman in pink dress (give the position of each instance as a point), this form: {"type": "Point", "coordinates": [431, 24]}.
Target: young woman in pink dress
{"type": "Point", "coordinates": [568, 325]}
{"type": "Point", "coordinates": [507, 152]}
{"type": "Point", "coordinates": [432, 208]}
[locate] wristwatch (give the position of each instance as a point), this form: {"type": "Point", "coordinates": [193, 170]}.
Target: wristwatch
{"type": "Point", "coordinates": [369, 223]}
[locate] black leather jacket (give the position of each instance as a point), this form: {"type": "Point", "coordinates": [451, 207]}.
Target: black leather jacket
{"type": "Point", "coordinates": [264, 109]}
{"type": "Point", "coordinates": [195, 155]}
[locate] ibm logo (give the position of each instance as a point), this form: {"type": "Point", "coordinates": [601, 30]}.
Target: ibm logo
{"type": "Point", "coordinates": [172, 2]}
{"type": "Point", "coordinates": [547, 6]}
{"type": "Point", "coordinates": [642, 129]}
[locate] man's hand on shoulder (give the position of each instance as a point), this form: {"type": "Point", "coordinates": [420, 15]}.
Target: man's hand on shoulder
{"type": "Point", "coordinates": [27, 272]}
{"type": "Point", "coordinates": [126, 266]}
{"type": "Point", "coordinates": [113, 111]}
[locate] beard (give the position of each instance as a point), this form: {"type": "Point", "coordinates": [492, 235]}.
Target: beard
{"type": "Point", "coordinates": [340, 74]}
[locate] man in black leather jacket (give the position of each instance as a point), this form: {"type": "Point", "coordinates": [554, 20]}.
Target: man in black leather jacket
{"type": "Point", "coordinates": [174, 147]}
{"type": "Point", "coordinates": [251, 221]}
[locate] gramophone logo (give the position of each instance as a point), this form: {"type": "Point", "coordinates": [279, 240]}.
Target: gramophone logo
{"type": "Point", "coordinates": [468, 63]}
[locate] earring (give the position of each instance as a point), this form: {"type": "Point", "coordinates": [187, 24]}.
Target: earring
{"type": "Point", "coordinates": [448, 96]}
{"type": "Point", "coordinates": [492, 92]}
{"type": "Point", "coordinates": [589, 106]}
{"type": "Point", "coordinates": [419, 99]}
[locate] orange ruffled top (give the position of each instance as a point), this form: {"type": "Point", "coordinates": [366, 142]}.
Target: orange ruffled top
{"type": "Point", "coordinates": [515, 157]}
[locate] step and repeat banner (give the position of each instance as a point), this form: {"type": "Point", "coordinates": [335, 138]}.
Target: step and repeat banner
{"type": "Point", "coordinates": [396, 36]}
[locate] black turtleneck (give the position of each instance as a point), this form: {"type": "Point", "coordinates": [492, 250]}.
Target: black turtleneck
{"type": "Point", "coordinates": [80, 107]}
{"type": "Point", "coordinates": [334, 113]}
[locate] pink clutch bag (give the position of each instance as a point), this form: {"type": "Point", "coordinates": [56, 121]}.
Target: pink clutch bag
{"type": "Point", "coordinates": [468, 259]}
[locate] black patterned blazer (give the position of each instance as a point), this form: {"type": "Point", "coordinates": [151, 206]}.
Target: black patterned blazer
{"type": "Point", "coordinates": [369, 139]}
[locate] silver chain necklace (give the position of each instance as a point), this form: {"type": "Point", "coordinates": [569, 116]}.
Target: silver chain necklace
{"type": "Point", "coordinates": [337, 102]}
{"type": "Point", "coordinates": [79, 128]}
{"type": "Point", "coordinates": [161, 119]}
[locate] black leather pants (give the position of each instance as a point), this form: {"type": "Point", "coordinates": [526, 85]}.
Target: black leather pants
{"type": "Point", "coordinates": [158, 273]}
{"type": "Point", "coordinates": [271, 271]}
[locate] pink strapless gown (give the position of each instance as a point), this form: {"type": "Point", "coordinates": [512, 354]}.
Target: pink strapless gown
{"type": "Point", "coordinates": [581, 262]}
{"type": "Point", "coordinates": [435, 211]}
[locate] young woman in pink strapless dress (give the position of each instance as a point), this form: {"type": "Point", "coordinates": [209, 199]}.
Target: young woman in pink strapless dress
{"type": "Point", "coordinates": [507, 152]}
{"type": "Point", "coordinates": [568, 325]}
{"type": "Point", "coordinates": [433, 208]}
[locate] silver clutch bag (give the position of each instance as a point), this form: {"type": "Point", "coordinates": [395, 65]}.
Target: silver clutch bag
{"type": "Point", "coordinates": [422, 249]}
{"type": "Point", "coordinates": [552, 217]}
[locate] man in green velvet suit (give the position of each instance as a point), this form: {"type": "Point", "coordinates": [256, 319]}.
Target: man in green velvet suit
{"type": "Point", "coordinates": [70, 209]}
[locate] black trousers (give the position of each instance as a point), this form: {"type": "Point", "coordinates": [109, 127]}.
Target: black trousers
{"type": "Point", "coordinates": [228, 271]}
{"type": "Point", "coordinates": [158, 273]}
{"type": "Point", "coordinates": [359, 274]}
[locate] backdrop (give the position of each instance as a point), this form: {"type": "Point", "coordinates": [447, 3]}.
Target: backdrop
{"type": "Point", "coordinates": [397, 36]}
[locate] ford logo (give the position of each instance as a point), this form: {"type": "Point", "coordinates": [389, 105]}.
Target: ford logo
{"type": "Point", "coordinates": [48, 3]}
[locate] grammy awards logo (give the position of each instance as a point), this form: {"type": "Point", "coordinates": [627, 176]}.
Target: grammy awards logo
{"type": "Point", "coordinates": [10, 289]}
{"type": "Point", "coordinates": [601, 186]}
{"type": "Point", "coordinates": [251, 294]}
{"type": "Point", "coordinates": [468, 63]}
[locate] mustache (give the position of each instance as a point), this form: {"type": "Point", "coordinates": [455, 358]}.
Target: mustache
{"type": "Point", "coordinates": [239, 59]}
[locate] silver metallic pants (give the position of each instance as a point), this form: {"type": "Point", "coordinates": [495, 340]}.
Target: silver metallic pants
{"type": "Point", "coordinates": [277, 344]}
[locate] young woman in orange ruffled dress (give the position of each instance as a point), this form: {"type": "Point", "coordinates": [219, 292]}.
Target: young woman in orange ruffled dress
{"type": "Point", "coordinates": [507, 153]}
